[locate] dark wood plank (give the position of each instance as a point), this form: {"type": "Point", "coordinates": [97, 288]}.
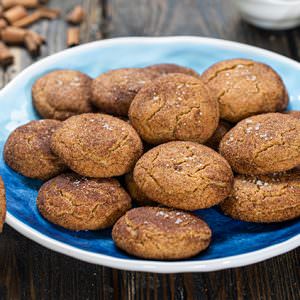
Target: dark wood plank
{"type": "Point", "coordinates": [213, 18]}
{"type": "Point", "coordinates": [294, 41]}
{"type": "Point", "coordinates": [29, 271]}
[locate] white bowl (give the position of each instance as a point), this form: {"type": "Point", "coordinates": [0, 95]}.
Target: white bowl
{"type": "Point", "coordinates": [270, 14]}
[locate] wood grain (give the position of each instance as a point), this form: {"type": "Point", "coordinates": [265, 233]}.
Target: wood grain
{"type": "Point", "coordinates": [30, 271]}
{"type": "Point", "coordinates": [213, 18]}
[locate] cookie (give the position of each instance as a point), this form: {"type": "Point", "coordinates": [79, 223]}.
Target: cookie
{"type": "Point", "coordinates": [263, 144]}
{"type": "Point", "coordinates": [62, 94]}
{"type": "Point", "coordinates": [113, 91]}
{"type": "Point", "coordinates": [2, 204]}
{"type": "Point", "coordinates": [164, 69]}
{"type": "Point", "coordinates": [136, 194]}
{"type": "Point", "coordinates": [174, 107]}
{"type": "Point", "coordinates": [79, 203]}
{"type": "Point", "coordinates": [161, 233]}
{"type": "Point", "coordinates": [184, 175]}
{"type": "Point", "coordinates": [264, 198]}
{"type": "Point", "coordinates": [294, 113]}
{"type": "Point", "coordinates": [214, 141]}
{"type": "Point", "coordinates": [27, 150]}
{"type": "Point", "coordinates": [97, 145]}
{"type": "Point", "coordinates": [245, 88]}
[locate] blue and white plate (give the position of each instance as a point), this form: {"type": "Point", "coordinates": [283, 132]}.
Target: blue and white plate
{"type": "Point", "coordinates": [234, 243]}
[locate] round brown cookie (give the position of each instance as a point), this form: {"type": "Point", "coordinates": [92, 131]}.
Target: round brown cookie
{"type": "Point", "coordinates": [2, 204]}
{"type": "Point", "coordinates": [113, 91]}
{"type": "Point", "coordinates": [174, 107]}
{"type": "Point", "coordinates": [294, 113]}
{"type": "Point", "coordinates": [263, 144]}
{"type": "Point", "coordinates": [79, 203]}
{"type": "Point", "coordinates": [264, 198]}
{"type": "Point", "coordinates": [214, 141]}
{"type": "Point", "coordinates": [161, 233]}
{"type": "Point", "coordinates": [164, 69]}
{"type": "Point", "coordinates": [62, 94]}
{"type": "Point", "coordinates": [97, 145]}
{"type": "Point", "coordinates": [184, 175]}
{"type": "Point", "coordinates": [136, 194]}
{"type": "Point", "coordinates": [245, 88]}
{"type": "Point", "coordinates": [27, 150]}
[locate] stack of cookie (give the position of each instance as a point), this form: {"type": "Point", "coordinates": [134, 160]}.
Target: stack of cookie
{"type": "Point", "coordinates": [159, 129]}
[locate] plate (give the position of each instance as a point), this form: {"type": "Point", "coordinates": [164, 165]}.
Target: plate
{"type": "Point", "coordinates": [234, 243]}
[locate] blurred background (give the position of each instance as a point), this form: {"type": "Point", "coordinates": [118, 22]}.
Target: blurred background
{"type": "Point", "coordinates": [210, 18]}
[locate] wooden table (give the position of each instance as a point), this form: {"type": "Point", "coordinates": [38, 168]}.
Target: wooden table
{"type": "Point", "coordinates": [29, 271]}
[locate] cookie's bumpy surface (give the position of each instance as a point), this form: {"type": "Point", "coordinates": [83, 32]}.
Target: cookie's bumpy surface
{"type": "Point", "coordinates": [263, 144]}
{"type": "Point", "coordinates": [184, 175]}
{"type": "Point", "coordinates": [2, 204]}
{"type": "Point", "coordinates": [62, 94]}
{"type": "Point", "coordinates": [264, 198]}
{"type": "Point", "coordinates": [164, 69]}
{"type": "Point", "coordinates": [174, 107]}
{"type": "Point", "coordinates": [294, 113]}
{"type": "Point", "coordinates": [79, 203]}
{"type": "Point", "coordinates": [244, 88]}
{"type": "Point", "coordinates": [161, 233]}
{"type": "Point", "coordinates": [27, 150]}
{"type": "Point", "coordinates": [97, 145]}
{"type": "Point", "coordinates": [113, 91]}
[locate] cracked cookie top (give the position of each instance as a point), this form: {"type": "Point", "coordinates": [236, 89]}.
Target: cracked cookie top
{"type": "Point", "coordinates": [113, 91]}
{"type": "Point", "coordinates": [79, 203]}
{"type": "Point", "coordinates": [264, 198]}
{"type": "Point", "coordinates": [161, 233]}
{"type": "Point", "coordinates": [263, 144]}
{"type": "Point", "coordinates": [174, 107]}
{"type": "Point", "coordinates": [184, 175]}
{"type": "Point", "coordinates": [245, 88]}
{"type": "Point", "coordinates": [27, 150]}
{"type": "Point", "coordinates": [2, 204]}
{"type": "Point", "coordinates": [164, 69]}
{"type": "Point", "coordinates": [62, 94]}
{"type": "Point", "coordinates": [97, 145]}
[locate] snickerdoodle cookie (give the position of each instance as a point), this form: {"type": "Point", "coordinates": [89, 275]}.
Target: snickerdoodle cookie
{"type": "Point", "coordinates": [113, 91]}
{"type": "Point", "coordinates": [264, 198]}
{"type": "Point", "coordinates": [79, 203]}
{"type": "Point", "coordinates": [174, 107]}
{"type": "Point", "coordinates": [27, 150]}
{"type": "Point", "coordinates": [136, 194]}
{"type": "Point", "coordinates": [214, 141]}
{"type": "Point", "coordinates": [294, 113]}
{"type": "Point", "coordinates": [164, 69]}
{"type": "Point", "coordinates": [161, 233]}
{"type": "Point", "coordinates": [184, 175]}
{"type": "Point", "coordinates": [245, 88]}
{"type": "Point", "coordinates": [97, 145]}
{"type": "Point", "coordinates": [2, 204]}
{"type": "Point", "coordinates": [263, 144]}
{"type": "Point", "coordinates": [62, 94]}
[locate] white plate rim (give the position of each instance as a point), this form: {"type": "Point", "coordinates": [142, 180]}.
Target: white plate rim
{"type": "Point", "coordinates": [150, 265]}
